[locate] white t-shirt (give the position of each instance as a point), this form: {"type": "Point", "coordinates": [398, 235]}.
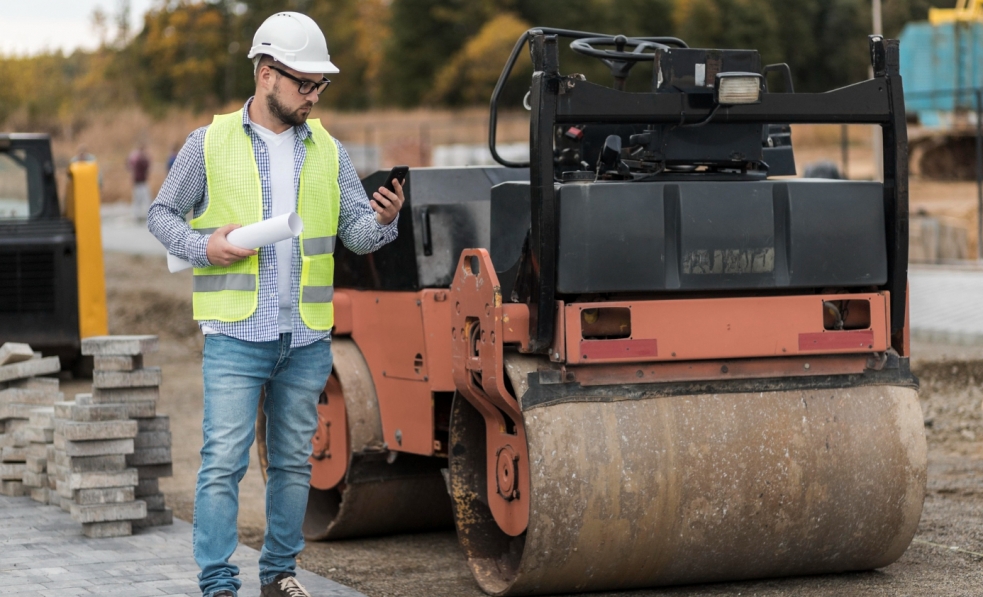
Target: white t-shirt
{"type": "Point", "coordinates": [281, 150]}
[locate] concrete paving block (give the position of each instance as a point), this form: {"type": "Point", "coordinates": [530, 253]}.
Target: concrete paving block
{"type": "Point", "coordinates": [149, 456]}
{"type": "Point", "coordinates": [97, 447]}
{"type": "Point", "coordinates": [50, 451]}
{"type": "Point", "coordinates": [72, 411]}
{"type": "Point", "coordinates": [12, 488]}
{"type": "Point", "coordinates": [14, 454]}
{"type": "Point", "coordinates": [43, 418]}
{"type": "Point", "coordinates": [31, 368]}
{"type": "Point", "coordinates": [52, 482]}
{"type": "Point", "coordinates": [15, 425]}
{"type": "Point", "coordinates": [155, 518]}
{"type": "Point", "coordinates": [100, 480]}
{"type": "Point", "coordinates": [65, 503]}
{"type": "Point", "coordinates": [154, 502]}
{"type": "Point", "coordinates": [41, 494]}
{"type": "Point", "coordinates": [12, 471]}
{"type": "Point", "coordinates": [155, 471]}
{"type": "Point", "coordinates": [116, 395]}
{"type": "Point", "coordinates": [157, 423]}
{"type": "Point", "coordinates": [102, 346]}
{"type": "Point", "coordinates": [32, 479]}
{"type": "Point", "coordinates": [104, 495]}
{"type": "Point", "coordinates": [96, 430]}
{"type": "Point", "coordinates": [83, 399]}
{"type": "Point", "coordinates": [39, 436]}
{"type": "Point", "coordinates": [152, 439]}
{"type": "Point", "coordinates": [108, 512]}
{"type": "Point", "coordinates": [49, 384]}
{"type": "Point", "coordinates": [20, 437]}
{"type": "Point", "coordinates": [63, 489]}
{"type": "Point", "coordinates": [36, 465]}
{"type": "Point", "coordinates": [94, 464]}
{"type": "Point", "coordinates": [111, 363]}
{"type": "Point", "coordinates": [140, 378]}
{"type": "Point", "coordinates": [140, 410]}
{"type": "Point", "coordinates": [15, 352]}
{"type": "Point", "coordinates": [106, 530]}
{"type": "Point", "coordinates": [37, 397]}
{"type": "Point", "coordinates": [16, 411]}
{"type": "Point", "coordinates": [147, 487]}
{"type": "Point", "coordinates": [36, 450]}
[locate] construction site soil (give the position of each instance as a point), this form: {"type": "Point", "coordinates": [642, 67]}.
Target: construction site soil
{"type": "Point", "coordinates": [944, 559]}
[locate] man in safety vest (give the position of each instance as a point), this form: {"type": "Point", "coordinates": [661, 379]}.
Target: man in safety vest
{"type": "Point", "coordinates": [266, 314]}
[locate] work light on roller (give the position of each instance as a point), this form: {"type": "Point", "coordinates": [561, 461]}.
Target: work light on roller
{"type": "Point", "coordinates": [738, 88]}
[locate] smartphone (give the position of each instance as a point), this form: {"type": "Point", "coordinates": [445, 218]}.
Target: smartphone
{"type": "Point", "coordinates": [397, 173]}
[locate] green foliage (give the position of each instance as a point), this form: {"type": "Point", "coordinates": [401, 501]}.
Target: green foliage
{"type": "Point", "coordinates": [192, 53]}
{"type": "Point", "coordinates": [470, 76]}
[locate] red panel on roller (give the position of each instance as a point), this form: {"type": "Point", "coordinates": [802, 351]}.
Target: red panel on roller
{"type": "Point", "coordinates": [836, 340]}
{"type": "Point", "coordinates": [618, 349]}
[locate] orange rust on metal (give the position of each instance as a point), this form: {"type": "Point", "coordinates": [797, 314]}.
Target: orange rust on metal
{"type": "Point", "coordinates": [329, 460]}
{"type": "Point", "coordinates": [342, 313]}
{"type": "Point", "coordinates": [515, 324]}
{"type": "Point", "coordinates": [437, 327]}
{"type": "Point", "coordinates": [388, 328]}
{"type": "Point", "coordinates": [478, 336]}
{"type": "Point", "coordinates": [559, 349]}
{"type": "Point", "coordinates": [762, 368]}
{"type": "Point", "coordinates": [747, 327]}
{"type": "Point", "coordinates": [905, 348]}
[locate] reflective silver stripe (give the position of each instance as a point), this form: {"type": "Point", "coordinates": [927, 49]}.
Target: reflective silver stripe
{"type": "Point", "coordinates": [317, 294]}
{"type": "Point", "coordinates": [204, 231]}
{"type": "Point", "coordinates": [224, 282]}
{"type": "Point", "coordinates": [319, 246]}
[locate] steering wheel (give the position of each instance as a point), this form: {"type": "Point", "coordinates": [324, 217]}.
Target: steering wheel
{"type": "Point", "coordinates": [618, 60]}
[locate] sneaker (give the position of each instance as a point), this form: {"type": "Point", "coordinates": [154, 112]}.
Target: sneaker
{"type": "Point", "coordinates": [284, 585]}
{"type": "Point", "coordinates": [224, 594]}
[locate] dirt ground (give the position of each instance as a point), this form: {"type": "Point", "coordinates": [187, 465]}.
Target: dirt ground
{"type": "Point", "coordinates": [944, 559]}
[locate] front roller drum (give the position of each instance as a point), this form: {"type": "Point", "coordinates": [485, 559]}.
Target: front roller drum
{"type": "Point", "coordinates": [358, 488]}
{"type": "Point", "coordinates": [632, 493]}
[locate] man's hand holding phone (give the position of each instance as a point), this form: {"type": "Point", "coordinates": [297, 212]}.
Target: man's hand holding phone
{"type": "Point", "coordinates": [388, 200]}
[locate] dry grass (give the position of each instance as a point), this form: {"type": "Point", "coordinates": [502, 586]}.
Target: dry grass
{"type": "Point", "coordinates": [404, 137]}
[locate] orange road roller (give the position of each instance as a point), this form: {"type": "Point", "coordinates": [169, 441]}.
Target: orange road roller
{"type": "Point", "coordinates": [648, 356]}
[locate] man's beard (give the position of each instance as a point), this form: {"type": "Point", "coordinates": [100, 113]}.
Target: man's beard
{"type": "Point", "coordinates": [280, 112]}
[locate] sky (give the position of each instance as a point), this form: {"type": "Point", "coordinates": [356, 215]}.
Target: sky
{"type": "Point", "coordinates": [30, 27]}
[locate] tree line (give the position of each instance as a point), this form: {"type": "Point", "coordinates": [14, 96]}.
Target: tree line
{"type": "Point", "coordinates": [409, 53]}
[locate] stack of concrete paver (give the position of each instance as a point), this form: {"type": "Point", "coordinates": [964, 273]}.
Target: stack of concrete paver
{"type": "Point", "coordinates": [92, 480]}
{"type": "Point", "coordinates": [120, 378]}
{"type": "Point", "coordinates": [40, 432]}
{"type": "Point", "coordinates": [22, 392]}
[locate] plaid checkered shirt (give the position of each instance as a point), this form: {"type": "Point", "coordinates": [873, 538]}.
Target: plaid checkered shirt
{"type": "Point", "coordinates": [185, 190]}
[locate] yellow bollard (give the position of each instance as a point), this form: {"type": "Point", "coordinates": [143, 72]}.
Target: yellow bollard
{"type": "Point", "coordinates": [82, 207]}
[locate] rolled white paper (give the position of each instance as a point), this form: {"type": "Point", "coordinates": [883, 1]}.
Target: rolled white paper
{"type": "Point", "coordinates": [253, 236]}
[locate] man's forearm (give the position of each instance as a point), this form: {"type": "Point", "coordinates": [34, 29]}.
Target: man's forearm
{"type": "Point", "coordinates": [182, 191]}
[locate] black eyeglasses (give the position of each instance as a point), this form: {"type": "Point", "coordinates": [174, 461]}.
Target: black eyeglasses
{"type": "Point", "coordinates": [304, 86]}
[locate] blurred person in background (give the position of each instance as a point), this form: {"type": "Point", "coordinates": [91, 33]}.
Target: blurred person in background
{"type": "Point", "coordinates": [138, 163]}
{"type": "Point", "coordinates": [266, 314]}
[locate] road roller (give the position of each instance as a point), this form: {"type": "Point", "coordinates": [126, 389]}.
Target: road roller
{"type": "Point", "coordinates": [648, 356]}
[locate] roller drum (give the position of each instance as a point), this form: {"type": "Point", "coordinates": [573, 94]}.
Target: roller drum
{"type": "Point", "coordinates": [700, 488]}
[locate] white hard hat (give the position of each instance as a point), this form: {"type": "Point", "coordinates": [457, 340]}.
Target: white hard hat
{"type": "Point", "coordinates": [295, 40]}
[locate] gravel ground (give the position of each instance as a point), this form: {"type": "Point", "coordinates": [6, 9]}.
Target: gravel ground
{"type": "Point", "coordinates": [944, 559]}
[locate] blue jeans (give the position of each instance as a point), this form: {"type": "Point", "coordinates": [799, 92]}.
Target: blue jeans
{"type": "Point", "coordinates": [234, 371]}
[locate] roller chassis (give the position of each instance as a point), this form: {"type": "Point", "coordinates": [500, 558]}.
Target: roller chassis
{"type": "Point", "coordinates": [746, 413]}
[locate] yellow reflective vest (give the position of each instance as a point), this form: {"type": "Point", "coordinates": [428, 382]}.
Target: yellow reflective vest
{"type": "Point", "coordinates": [235, 196]}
